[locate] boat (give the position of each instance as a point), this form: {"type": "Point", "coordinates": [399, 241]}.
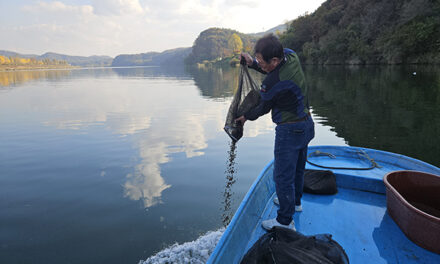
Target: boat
{"type": "Point", "coordinates": [356, 216]}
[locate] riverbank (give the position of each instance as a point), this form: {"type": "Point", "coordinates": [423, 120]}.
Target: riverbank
{"type": "Point", "coordinates": [8, 68]}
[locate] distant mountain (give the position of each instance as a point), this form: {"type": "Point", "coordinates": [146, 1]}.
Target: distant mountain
{"type": "Point", "coordinates": [167, 57]}
{"type": "Point", "coordinates": [7, 53]}
{"type": "Point", "coordinates": [72, 60]}
{"type": "Point", "coordinates": [212, 44]}
{"type": "Point", "coordinates": [278, 29]}
{"type": "Point", "coordinates": [79, 60]}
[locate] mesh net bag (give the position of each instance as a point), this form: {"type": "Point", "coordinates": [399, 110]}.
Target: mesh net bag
{"type": "Point", "coordinates": [246, 97]}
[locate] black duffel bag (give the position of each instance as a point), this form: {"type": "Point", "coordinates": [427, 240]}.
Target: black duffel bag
{"type": "Point", "coordinates": [281, 246]}
{"type": "Point", "coordinates": [320, 182]}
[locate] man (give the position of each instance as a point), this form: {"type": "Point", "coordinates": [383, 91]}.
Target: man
{"type": "Point", "coordinates": [284, 91]}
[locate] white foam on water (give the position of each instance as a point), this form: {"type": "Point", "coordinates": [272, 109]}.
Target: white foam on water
{"type": "Point", "coordinates": [194, 252]}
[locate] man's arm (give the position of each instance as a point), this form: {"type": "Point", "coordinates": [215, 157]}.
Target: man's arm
{"type": "Point", "coordinates": [251, 62]}
{"type": "Point", "coordinates": [261, 109]}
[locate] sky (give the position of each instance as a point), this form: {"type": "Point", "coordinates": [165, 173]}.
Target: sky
{"type": "Point", "coordinates": [113, 27]}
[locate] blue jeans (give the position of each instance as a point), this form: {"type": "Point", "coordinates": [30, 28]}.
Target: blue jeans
{"type": "Point", "coordinates": [291, 142]}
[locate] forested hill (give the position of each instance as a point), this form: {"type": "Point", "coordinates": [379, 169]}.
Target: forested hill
{"type": "Point", "coordinates": [368, 32]}
{"type": "Point", "coordinates": [72, 60]}
{"type": "Point", "coordinates": [275, 30]}
{"type": "Point", "coordinates": [167, 57]}
{"type": "Point", "coordinates": [79, 60]}
{"type": "Point", "coordinates": [219, 43]}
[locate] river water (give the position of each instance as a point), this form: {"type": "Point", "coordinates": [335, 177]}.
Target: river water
{"type": "Point", "coordinates": [112, 165]}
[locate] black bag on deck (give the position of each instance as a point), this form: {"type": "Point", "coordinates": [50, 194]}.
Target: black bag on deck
{"type": "Point", "coordinates": [320, 182]}
{"type": "Point", "coordinates": [281, 246]}
{"type": "Point", "coordinates": [245, 98]}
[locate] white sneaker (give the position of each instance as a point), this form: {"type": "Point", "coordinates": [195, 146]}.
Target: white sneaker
{"type": "Point", "coordinates": [269, 224]}
{"type": "Point", "coordinates": [298, 208]}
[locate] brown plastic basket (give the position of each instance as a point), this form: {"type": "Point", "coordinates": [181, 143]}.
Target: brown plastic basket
{"type": "Point", "coordinates": [413, 201]}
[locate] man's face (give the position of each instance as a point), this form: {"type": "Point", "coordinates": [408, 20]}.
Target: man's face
{"type": "Point", "coordinates": [267, 66]}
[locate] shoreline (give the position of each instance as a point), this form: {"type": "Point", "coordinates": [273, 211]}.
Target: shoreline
{"type": "Point", "coordinates": [49, 67]}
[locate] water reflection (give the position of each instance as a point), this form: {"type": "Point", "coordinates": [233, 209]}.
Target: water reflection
{"type": "Point", "coordinates": [173, 72]}
{"type": "Point", "coordinates": [388, 108]}
{"type": "Point", "coordinates": [215, 82]}
{"type": "Point", "coordinates": [160, 115]}
{"type": "Point", "coordinates": [187, 135]}
{"type": "Point", "coordinates": [230, 180]}
{"type": "Point", "coordinates": [146, 184]}
{"type": "Point", "coordinates": [218, 82]}
{"type": "Point", "coordinates": [378, 107]}
{"type": "Point", "coordinates": [9, 78]}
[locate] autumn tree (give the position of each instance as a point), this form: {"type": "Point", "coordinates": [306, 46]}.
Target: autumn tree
{"type": "Point", "coordinates": [235, 43]}
{"type": "Point", "coordinates": [4, 60]}
{"type": "Point", "coordinates": [18, 61]}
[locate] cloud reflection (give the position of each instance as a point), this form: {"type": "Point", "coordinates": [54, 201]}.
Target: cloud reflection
{"type": "Point", "coordinates": [160, 116]}
{"type": "Point", "coordinates": [146, 183]}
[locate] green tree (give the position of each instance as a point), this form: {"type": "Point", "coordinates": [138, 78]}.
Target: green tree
{"type": "Point", "coordinates": [364, 31]}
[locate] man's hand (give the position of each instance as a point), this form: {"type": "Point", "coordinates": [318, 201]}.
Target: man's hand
{"type": "Point", "coordinates": [241, 119]}
{"type": "Point", "coordinates": [247, 57]}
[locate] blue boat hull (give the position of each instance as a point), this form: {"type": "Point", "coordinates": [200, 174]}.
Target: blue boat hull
{"type": "Point", "coordinates": [356, 216]}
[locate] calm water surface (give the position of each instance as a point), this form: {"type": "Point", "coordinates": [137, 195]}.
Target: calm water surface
{"type": "Point", "coordinates": [113, 165]}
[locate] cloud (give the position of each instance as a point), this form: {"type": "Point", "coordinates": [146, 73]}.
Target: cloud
{"type": "Point", "coordinates": [105, 27]}
{"type": "Point", "coordinates": [57, 6]}
{"type": "Point", "coordinates": [56, 13]}
{"type": "Point", "coordinates": [77, 30]}
{"type": "Point", "coordinates": [113, 27]}
{"type": "Point", "coordinates": [118, 7]}
{"type": "Point", "coordinates": [242, 3]}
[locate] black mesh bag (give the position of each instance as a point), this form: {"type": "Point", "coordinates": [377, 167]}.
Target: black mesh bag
{"type": "Point", "coordinates": [285, 246]}
{"type": "Point", "coordinates": [245, 98]}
